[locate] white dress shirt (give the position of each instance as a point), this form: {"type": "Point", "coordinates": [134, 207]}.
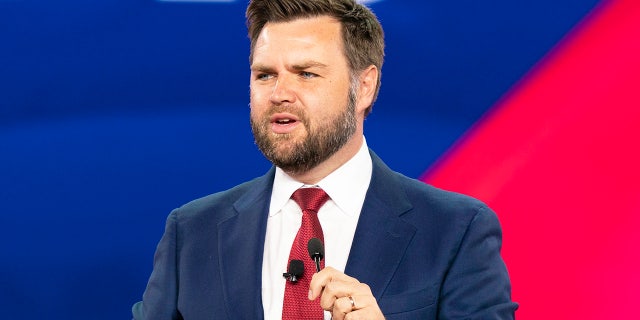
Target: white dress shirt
{"type": "Point", "coordinates": [347, 187]}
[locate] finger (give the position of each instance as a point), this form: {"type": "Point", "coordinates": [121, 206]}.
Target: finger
{"type": "Point", "coordinates": [344, 305]}
{"type": "Point", "coordinates": [322, 278]}
{"type": "Point", "coordinates": [335, 290]}
{"type": "Point", "coordinates": [358, 307]}
{"type": "Point", "coordinates": [363, 301]}
{"type": "Point", "coordinates": [364, 314]}
{"type": "Point", "coordinates": [337, 315]}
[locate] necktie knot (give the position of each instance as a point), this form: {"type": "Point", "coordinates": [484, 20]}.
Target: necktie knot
{"type": "Point", "coordinates": [310, 198]}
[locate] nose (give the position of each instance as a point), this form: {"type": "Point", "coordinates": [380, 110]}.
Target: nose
{"type": "Point", "coordinates": [283, 91]}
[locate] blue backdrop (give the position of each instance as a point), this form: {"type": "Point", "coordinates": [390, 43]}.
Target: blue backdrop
{"type": "Point", "coordinates": [114, 112]}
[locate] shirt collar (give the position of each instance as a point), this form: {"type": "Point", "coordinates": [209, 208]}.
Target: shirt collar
{"type": "Point", "coordinates": [346, 186]}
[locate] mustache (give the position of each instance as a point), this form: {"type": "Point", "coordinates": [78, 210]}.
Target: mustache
{"type": "Point", "coordinates": [299, 112]}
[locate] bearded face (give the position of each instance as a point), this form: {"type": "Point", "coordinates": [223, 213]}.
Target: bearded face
{"type": "Point", "coordinates": [298, 153]}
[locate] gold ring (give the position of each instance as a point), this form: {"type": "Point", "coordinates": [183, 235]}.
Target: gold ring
{"type": "Point", "coordinates": [353, 303]}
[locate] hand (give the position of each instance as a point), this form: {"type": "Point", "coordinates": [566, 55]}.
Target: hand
{"type": "Point", "coordinates": [344, 296]}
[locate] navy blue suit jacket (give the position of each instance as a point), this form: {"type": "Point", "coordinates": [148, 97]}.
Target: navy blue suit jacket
{"type": "Point", "coordinates": [426, 254]}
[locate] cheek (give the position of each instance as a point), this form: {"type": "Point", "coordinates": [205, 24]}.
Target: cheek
{"type": "Point", "coordinates": [260, 94]}
{"type": "Point", "coordinates": [255, 111]}
{"type": "Point", "coordinates": [256, 102]}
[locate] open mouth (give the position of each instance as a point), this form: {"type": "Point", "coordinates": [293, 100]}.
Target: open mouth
{"type": "Point", "coordinates": [284, 118]}
{"type": "Point", "coordinates": [285, 121]}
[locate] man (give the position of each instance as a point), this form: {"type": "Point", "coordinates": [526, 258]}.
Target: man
{"type": "Point", "coordinates": [395, 247]}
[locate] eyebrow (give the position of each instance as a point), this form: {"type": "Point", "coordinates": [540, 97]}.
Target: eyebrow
{"type": "Point", "coordinates": [261, 68]}
{"type": "Point", "coordinates": [308, 64]}
{"type": "Point", "coordinates": [298, 66]}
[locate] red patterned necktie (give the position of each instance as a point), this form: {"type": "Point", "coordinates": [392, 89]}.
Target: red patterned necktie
{"type": "Point", "coordinates": [296, 304]}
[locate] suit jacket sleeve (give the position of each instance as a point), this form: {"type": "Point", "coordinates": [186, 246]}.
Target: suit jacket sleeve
{"type": "Point", "coordinates": [160, 297]}
{"type": "Point", "coordinates": [477, 285]}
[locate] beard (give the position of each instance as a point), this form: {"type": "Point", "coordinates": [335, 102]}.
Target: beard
{"type": "Point", "coordinates": [322, 141]}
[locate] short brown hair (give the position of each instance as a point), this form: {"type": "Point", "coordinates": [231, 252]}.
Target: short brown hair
{"type": "Point", "coordinates": [362, 35]}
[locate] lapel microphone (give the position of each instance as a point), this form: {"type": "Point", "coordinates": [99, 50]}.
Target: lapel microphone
{"type": "Point", "coordinates": [295, 270]}
{"type": "Point", "coordinates": [316, 251]}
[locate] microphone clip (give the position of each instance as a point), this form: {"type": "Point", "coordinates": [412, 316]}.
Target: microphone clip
{"type": "Point", "coordinates": [295, 270]}
{"type": "Point", "coordinates": [290, 277]}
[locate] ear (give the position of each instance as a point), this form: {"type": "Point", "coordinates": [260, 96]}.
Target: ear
{"type": "Point", "coordinates": [367, 88]}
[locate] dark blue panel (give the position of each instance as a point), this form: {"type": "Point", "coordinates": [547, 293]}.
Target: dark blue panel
{"type": "Point", "coordinates": [114, 112]}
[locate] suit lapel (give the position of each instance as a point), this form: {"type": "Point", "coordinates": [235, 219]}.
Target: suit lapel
{"type": "Point", "coordinates": [381, 236]}
{"type": "Point", "coordinates": [241, 246]}
{"type": "Point", "coordinates": [379, 242]}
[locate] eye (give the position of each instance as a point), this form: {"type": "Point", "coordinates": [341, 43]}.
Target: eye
{"type": "Point", "coordinates": [308, 75]}
{"type": "Point", "coordinates": [263, 76]}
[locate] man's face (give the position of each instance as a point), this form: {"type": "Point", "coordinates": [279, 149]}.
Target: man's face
{"type": "Point", "coordinates": [302, 108]}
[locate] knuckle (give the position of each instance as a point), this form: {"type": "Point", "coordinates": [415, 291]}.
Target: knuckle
{"type": "Point", "coordinates": [330, 288]}
{"type": "Point", "coordinates": [363, 287]}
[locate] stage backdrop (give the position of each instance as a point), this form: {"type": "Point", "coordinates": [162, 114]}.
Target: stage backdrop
{"type": "Point", "coordinates": [114, 112]}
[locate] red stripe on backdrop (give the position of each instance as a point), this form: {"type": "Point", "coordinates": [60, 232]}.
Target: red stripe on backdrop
{"type": "Point", "coordinates": [559, 161]}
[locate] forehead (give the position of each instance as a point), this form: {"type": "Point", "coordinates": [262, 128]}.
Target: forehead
{"type": "Point", "coordinates": [313, 35]}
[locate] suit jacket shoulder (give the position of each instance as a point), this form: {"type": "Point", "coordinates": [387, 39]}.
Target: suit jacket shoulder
{"type": "Point", "coordinates": [436, 253]}
{"type": "Point", "coordinates": [207, 263]}
{"type": "Point", "coordinates": [216, 206]}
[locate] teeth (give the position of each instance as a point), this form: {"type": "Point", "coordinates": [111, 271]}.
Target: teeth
{"type": "Point", "coordinates": [284, 121]}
